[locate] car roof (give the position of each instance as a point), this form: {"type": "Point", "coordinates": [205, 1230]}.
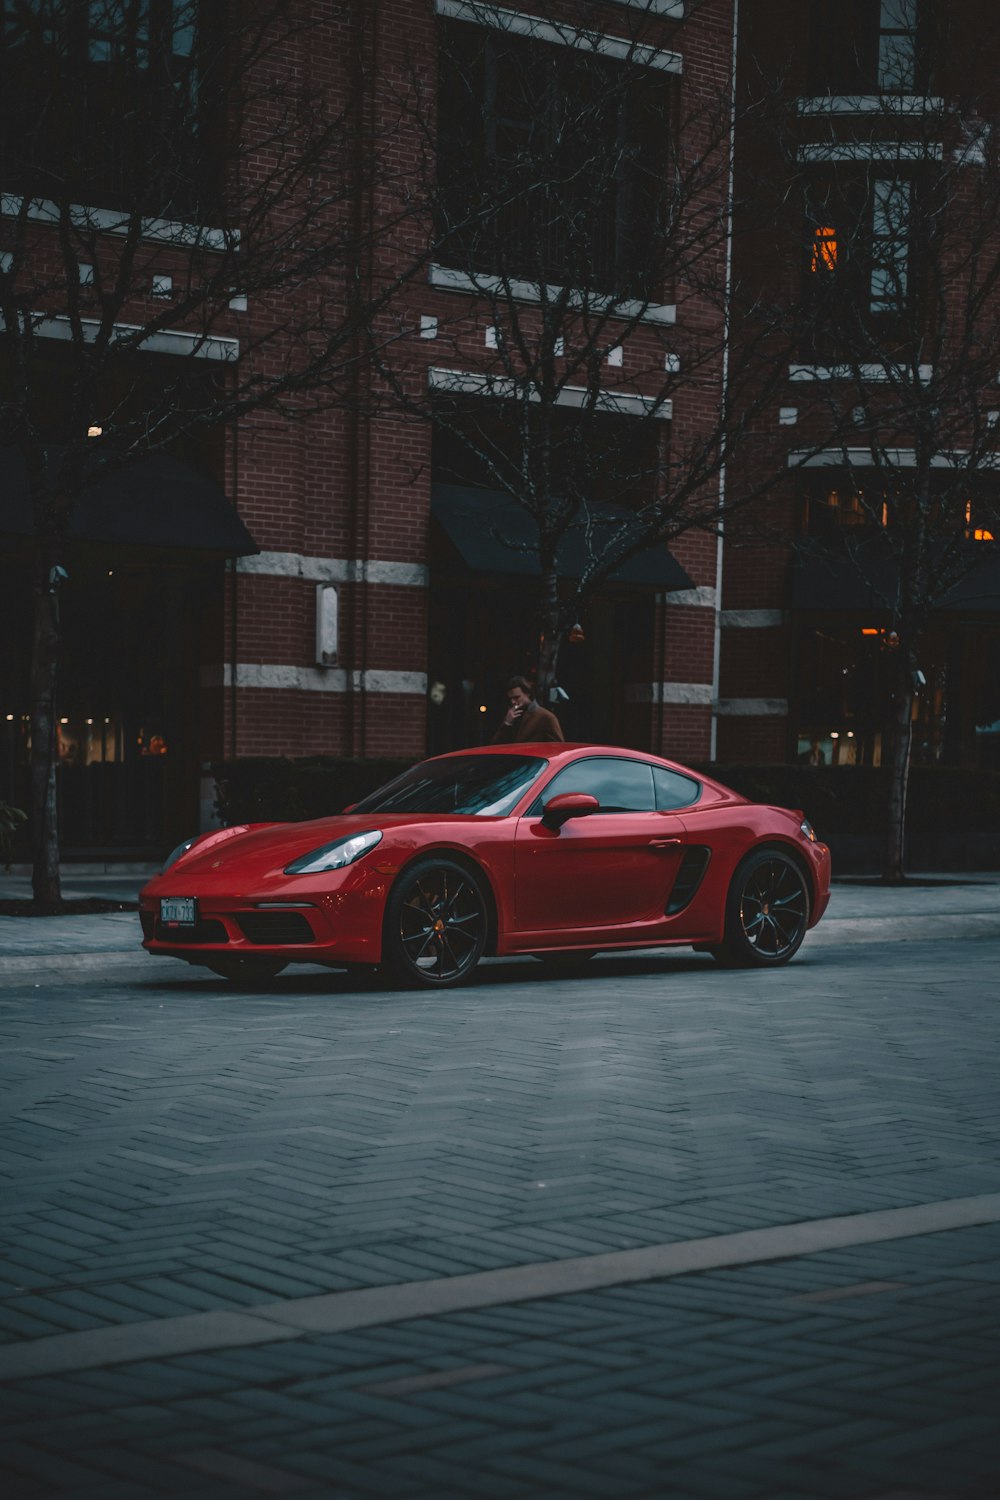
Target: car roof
{"type": "Point", "coordinates": [571, 750]}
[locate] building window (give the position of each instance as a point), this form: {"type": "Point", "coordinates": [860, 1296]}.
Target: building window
{"type": "Point", "coordinates": [824, 250]}
{"type": "Point", "coordinates": [551, 162]}
{"type": "Point", "coordinates": [890, 250]}
{"type": "Point", "coordinates": [870, 47]}
{"type": "Point", "coordinates": [102, 102]}
{"type": "Point", "coordinates": [857, 263]}
{"type": "Point", "coordinates": [897, 46]}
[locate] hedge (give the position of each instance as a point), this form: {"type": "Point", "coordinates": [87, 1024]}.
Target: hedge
{"type": "Point", "coordinates": [277, 789]}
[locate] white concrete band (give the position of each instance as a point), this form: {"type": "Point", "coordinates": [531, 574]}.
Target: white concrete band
{"type": "Point", "coordinates": [871, 151]}
{"type": "Point", "coordinates": [333, 569]}
{"type": "Point", "coordinates": [752, 619]}
{"type": "Point", "coordinates": [702, 597]}
{"type": "Point", "coordinates": [506, 388]}
{"type": "Point", "coordinates": [519, 290]}
{"type": "Point", "coordinates": [871, 374]}
{"type": "Point", "coordinates": [896, 458]}
{"type": "Point", "coordinates": [870, 104]}
{"type": "Point", "coordinates": [165, 341]}
{"type": "Point", "coordinates": [278, 676]}
{"type": "Point", "coordinates": [690, 693]}
{"type": "Point", "coordinates": [119, 222]}
{"type": "Point", "coordinates": [752, 708]}
{"type": "Point", "coordinates": [517, 23]}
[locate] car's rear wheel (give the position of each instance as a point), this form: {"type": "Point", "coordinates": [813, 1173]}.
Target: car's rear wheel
{"type": "Point", "coordinates": [250, 972]}
{"type": "Point", "coordinates": [767, 911]}
{"type": "Point", "coordinates": [437, 922]}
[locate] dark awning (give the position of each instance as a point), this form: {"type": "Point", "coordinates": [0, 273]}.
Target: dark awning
{"type": "Point", "coordinates": [492, 533]}
{"type": "Point", "coordinates": [156, 502]}
{"type": "Point", "coordinates": [847, 576]}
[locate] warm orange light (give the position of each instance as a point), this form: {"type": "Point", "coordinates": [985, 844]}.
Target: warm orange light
{"type": "Point", "coordinates": [982, 536]}
{"type": "Point", "coordinates": [867, 630]}
{"type": "Point", "coordinates": [824, 249]}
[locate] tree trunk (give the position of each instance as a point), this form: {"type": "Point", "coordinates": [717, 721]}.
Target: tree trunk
{"type": "Point", "coordinates": [893, 871]}
{"type": "Point", "coordinates": [551, 634]}
{"type": "Point", "coordinates": [44, 826]}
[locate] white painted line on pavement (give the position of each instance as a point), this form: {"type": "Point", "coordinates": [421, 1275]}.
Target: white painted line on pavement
{"type": "Point", "coordinates": [340, 1312]}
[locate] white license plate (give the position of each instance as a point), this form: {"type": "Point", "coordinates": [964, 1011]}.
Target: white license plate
{"type": "Point", "coordinates": [179, 911]}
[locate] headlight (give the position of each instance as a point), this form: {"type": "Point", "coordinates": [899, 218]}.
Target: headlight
{"type": "Point", "coordinates": [175, 854]}
{"type": "Point", "coordinates": [807, 831]}
{"type": "Point", "coordinates": [204, 841]}
{"type": "Point", "coordinates": [336, 855]}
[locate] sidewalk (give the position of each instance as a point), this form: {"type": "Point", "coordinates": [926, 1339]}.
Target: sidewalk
{"type": "Point", "coordinates": [860, 911]}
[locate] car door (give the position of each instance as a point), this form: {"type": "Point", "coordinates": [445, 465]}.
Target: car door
{"type": "Point", "coordinates": [613, 868]}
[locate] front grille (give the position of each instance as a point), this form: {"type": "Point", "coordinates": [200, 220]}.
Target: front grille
{"type": "Point", "coordinates": [206, 930]}
{"type": "Point", "coordinates": [275, 927]}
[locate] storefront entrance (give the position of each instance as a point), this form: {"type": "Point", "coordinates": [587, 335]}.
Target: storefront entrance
{"type": "Point", "coordinates": [128, 731]}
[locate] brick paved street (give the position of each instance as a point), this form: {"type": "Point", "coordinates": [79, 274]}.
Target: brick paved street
{"type": "Point", "coordinates": [192, 1175]}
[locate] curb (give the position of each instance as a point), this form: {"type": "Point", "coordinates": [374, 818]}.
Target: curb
{"type": "Point", "coordinates": [29, 962]}
{"type": "Point", "coordinates": [830, 933]}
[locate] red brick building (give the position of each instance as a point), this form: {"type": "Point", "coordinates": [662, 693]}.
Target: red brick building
{"type": "Point", "coordinates": [378, 617]}
{"type": "Point", "coordinates": [867, 208]}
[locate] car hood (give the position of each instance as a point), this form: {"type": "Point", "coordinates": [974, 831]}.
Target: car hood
{"type": "Point", "coordinates": [267, 849]}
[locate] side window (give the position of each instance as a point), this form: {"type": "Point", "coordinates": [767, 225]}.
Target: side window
{"type": "Point", "coordinates": [618, 785]}
{"type": "Point", "coordinates": [674, 790]}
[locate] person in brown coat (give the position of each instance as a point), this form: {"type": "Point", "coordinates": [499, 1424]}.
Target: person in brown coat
{"type": "Point", "coordinates": [526, 720]}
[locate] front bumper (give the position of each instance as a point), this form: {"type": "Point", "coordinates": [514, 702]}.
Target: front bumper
{"type": "Point", "coordinates": [326, 928]}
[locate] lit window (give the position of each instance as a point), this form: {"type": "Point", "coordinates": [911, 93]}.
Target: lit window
{"type": "Point", "coordinates": [824, 249]}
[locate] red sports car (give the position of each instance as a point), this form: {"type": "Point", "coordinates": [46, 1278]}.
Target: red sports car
{"type": "Point", "coordinates": [553, 850]}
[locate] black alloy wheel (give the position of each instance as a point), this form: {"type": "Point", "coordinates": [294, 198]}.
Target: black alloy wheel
{"type": "Point", "coordinates": [436, 924]}
{"type": "Point", "coordinates": [249, 972]}
{"type": "Point", "coordinates": [767, 912]}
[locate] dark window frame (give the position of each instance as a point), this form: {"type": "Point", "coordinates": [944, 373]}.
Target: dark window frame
{"type": "Point", "coordinates": [848, 42]}
{"type": "Point", "coordinates": [499, 214]}
{"type": "Point", "coordinates": [106, 103]}
{"type": "Point", "coordinates": [858, 264]}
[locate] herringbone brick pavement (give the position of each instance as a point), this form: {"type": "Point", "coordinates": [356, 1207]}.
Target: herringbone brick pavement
{"type": "Point", "coordinates": [169, 1146]}
{"type": "Point", "coordinates": [866, 1374]}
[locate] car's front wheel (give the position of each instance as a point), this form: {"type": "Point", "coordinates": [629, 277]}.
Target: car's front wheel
{"type": "Point", "coordinates": [250, 972]}
{"type": "Point", "coordinates": [436, 924]}
{"type": "Point", "coordinates": [767, 911]}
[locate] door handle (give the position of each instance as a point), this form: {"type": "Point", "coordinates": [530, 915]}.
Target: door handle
{"type": "Point", "coordinates": [665, 843]}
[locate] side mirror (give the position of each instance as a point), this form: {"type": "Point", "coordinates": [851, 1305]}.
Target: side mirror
{"type": "Point", "coordinates": [558, 810]}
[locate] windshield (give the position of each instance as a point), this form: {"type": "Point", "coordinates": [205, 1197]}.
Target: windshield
{"type": "Point", "coordinates": [485, 786]}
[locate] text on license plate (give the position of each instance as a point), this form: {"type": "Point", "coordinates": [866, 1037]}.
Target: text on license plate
{"type": "Point", "coordinates": [179, 910]}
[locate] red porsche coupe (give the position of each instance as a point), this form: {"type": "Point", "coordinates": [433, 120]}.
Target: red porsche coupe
{"type": "Point", "coordinates": [558, 851]}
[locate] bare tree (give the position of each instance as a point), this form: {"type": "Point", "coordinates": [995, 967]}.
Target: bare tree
{"type": "Point", "coordinates": [903, 262]}
{"type": "Point", "coordinates": [582, 213]}
{"type": "Point", "coordinates": [178, 177]}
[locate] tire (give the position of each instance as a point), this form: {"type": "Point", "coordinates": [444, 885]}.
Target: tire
{"type": "Point", "coordinates": [437, 922]}
{"type": "Point", "coordinates": [249, 972]}
{"type": "Point", "coordinates": [767, 911]}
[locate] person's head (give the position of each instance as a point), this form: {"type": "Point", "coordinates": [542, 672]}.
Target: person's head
{"type": "Point", "coordinates": [519, 692]}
